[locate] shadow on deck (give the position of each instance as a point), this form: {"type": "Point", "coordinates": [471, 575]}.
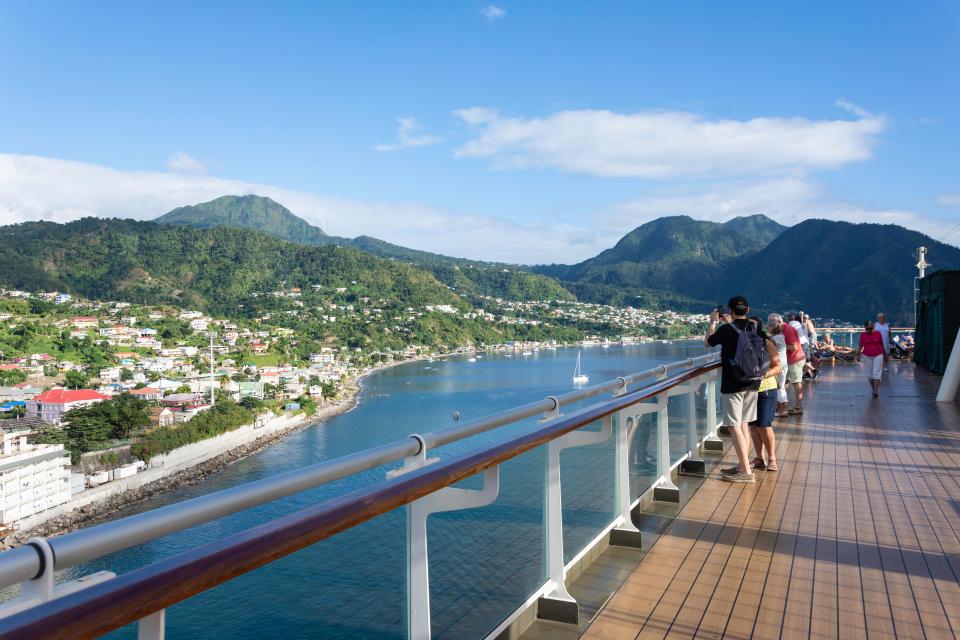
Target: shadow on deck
{"type": "Point", "coordinates": [857, 535]}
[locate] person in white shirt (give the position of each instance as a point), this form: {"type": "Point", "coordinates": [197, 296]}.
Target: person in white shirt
{"type": "Point", "coordinates": [883, 329]}
{"type": "Point", "coordinates": [796, 321]}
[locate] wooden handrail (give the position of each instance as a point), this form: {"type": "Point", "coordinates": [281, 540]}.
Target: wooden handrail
{"type": "Point", "coordinates": [112, 604]}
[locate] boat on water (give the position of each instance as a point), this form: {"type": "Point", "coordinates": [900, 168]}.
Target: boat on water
{"type": "Point", "coordinates": [606, 345]}
{"type": "Point", "coordinates": [578, 376]}
{"type": "Point", "coordinates": [471, 359]}
{"type": "Point", "coordinates": [527, 353]}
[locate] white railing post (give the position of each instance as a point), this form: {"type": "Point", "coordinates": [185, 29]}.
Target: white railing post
{"type": "Point", "coordinates": [418, 565]}
{"type": "Point", "coordinates": [711, 442]}
{"type": "Point", "coordinates": [153, 627]}
{"type": "Point", "coordinates": [625, 533]}
{"type": "Point", "coordinates": [558, 604]}
{"type": "Point", "coordinates": [664, 489]}
{"type": "Point", "coordinates": [693, 463]}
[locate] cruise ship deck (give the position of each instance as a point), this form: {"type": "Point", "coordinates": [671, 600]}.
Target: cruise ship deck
{"type": "Point", "coordinates": [857, 535]}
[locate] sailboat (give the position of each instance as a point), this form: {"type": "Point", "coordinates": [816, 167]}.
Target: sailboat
{"type": "Point", "coordinates": [578, 377]}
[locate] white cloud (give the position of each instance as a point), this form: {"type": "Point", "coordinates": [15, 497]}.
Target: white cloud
{"type": "Point", "coordinates": [37, 188]}
{"type": "Point", "coordinates": [949, 201]}
{"type": "Point", "coordinates": [407, 136]}
{"type": "Point", "coordinates": [788, 200]}
{"type": "Point", "coordinates": [179, 162]}
{"type": "Point", "coordinates": [668, 144]}
{"type": "Point", "coordinates": [493, 12]}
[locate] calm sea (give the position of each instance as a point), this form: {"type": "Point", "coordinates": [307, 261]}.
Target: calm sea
{"type": "Point", "coordinates": [483, 562]}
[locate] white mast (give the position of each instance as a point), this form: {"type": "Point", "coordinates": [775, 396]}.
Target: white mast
{"type": "Point", "coordinates": [211, 334]}
{"type": "Point", "coordinates": [922, 265]}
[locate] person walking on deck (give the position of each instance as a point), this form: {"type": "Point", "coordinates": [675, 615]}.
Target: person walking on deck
{"type": "Point", "coordinates": [883, 329]}
{"type": "Point", "coordinates": [871, 346]}
{"type": "Point", "coordinates": [761, 429]}
{"type": "Point", "coordinates": [796, 359]}
{"type": "Point", "coordinates": [738, 392]}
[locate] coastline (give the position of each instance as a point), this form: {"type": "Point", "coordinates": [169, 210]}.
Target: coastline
{"type": "Point", "coordinates": [108, 508]}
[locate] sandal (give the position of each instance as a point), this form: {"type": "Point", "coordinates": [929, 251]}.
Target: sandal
{"type": "Point", "coordinates": [781, 415]}
{"type": "Point", "coordinates": [730, 471]}
{"type": "Point", "coordinates": [758, 463]}
{"type": "Point", "coordinates": [795, 412]}
{"type": "Point", "coordinates": [773, 467]}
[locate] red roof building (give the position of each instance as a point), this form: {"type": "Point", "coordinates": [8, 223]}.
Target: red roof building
{"type": "Point", "coordinates": [50, 405]}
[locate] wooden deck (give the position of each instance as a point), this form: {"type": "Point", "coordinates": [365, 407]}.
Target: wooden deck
{"type": "Point", "coordinates": [857, 535]}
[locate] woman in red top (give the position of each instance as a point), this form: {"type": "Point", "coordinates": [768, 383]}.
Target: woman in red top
{"type": "Point", "coordinates": [871, 346]}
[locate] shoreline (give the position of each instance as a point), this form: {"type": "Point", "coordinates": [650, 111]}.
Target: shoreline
{"type": "Point", "coordinates": [106, 509]}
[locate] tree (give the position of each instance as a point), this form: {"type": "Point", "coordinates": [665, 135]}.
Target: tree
{"type": "Point", "coordinates": [126, 374]}
{"type": "Point", "coordinates": [183, 389]}
{"type": "Point", "coordinates": [75, 379]}
{"type": "Point", "coordinates": [114, 419]}
{"type": "Point", "coordinates": [12, 377]}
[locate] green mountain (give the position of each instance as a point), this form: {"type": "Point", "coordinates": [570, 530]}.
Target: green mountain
{"type": "Point", "coordinates": [829, 269]}
{"type": "Point", "coordinates": [211, 269]}
{"type": "Point", "coordinates": [836, 270]}
{"type": "Point", "coordinates": [671, 254]}
{"type": "Point", "coordinates": [466, 277]}
{"type": "Point", "coordinates": [247, 212]}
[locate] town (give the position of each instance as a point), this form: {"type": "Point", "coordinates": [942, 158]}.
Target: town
{"type": "Point", "coordinates": [97, 396]}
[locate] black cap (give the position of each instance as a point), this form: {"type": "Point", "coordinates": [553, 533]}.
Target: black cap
{"type": "Point", "coordinates": [739, 305]}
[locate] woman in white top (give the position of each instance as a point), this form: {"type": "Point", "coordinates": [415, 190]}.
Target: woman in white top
{"type": "Point", "coordinates": [774, 329]}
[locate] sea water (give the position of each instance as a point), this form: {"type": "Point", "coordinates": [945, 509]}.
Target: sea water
{"type": "Point", "coordinates": [483, 562]}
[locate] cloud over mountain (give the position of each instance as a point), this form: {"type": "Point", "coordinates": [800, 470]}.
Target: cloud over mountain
{"type": "Point", "coordinates": [667, 144]}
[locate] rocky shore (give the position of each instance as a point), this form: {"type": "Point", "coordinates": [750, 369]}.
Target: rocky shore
{"type": "Point", "coordinates": [113, 506]}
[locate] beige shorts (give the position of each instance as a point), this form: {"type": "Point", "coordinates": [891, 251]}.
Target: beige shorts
{"type": "Point", "coordinates": [739, 407]}
{"type": "Point", "coordinates": [795, 372]}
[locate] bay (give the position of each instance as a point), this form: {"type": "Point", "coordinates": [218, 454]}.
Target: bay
{"type": "Point", "coordinates": [483, 562]}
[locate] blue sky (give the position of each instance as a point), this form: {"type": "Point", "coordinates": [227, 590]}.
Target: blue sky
{"type": "Point", "coordinates": [533, 131]}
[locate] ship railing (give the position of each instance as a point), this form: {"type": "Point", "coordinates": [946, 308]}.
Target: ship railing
{"type": "Point", "coordinates": [101, 602]}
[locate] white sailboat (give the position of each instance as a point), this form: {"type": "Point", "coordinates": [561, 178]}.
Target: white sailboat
{"type": "Point", "coordinates": [578, 377]}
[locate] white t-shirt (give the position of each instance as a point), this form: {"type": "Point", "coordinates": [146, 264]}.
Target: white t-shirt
{"type": "Point", "coordinates": [781, 343]}
{"type": "Point", "coordinates": [801, 331]}
{"type": "Point", "coordinates": [884, 330]}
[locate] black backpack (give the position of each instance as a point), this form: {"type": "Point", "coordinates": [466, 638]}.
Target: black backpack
{"type": "Point", "coordinates": [751, 360]}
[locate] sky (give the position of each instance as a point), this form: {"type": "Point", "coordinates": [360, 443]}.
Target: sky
{"type": "Point", "coordinates": [528, 132]}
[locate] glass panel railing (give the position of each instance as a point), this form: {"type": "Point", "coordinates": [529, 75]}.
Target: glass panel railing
{"type": "Point", "coordinates": [588, 492]}
{"type": "Point", "coordinates": [643, 455]}
{"type": "Point", "coordinates": [679, 423]}
{"type": "Point", "coordinates": [485, 562]}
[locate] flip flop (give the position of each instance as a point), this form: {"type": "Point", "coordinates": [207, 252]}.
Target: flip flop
{"type": "Point", "coordinates": [773, 467]}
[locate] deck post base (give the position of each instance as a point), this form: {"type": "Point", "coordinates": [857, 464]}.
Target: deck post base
{"type": "Point", "coordinates": [693, 466]}
{"type": "Point", "coordinates": [558, 610]}
{"type": "Point", "coordinates": [713, 445]}
{"type": "Point", "coordinates": [626, 538]}
{"type": "Point", "coordinates": [666, 494]}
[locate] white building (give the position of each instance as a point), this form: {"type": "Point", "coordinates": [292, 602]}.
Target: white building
{"type": "Point", "coordinates": [50, 406]}
{"type": "Point", "coordinates": [33, 478]}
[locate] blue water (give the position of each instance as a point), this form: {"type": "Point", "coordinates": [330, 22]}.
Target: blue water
{"type": "Point", "coordinates": [483, 562]}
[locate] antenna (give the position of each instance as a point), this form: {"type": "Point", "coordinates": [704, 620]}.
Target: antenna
{"type": "Point", "coordinates": [921, 265]}
{"type": "Point", "coordinates": [212, 335]}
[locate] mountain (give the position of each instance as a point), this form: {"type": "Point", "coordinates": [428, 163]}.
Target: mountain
{"type": "Point", "coordinates": [466, 277]}
{"type": "Point", "coordinates": [212, 269]}
{"type": "Point", "coordinates": [247, 212]}
{"type": "Point", "coordinates": [829, 269]}
{"type": "Point", "coordinates": [837, 270]}
{"type": "Point", "coordinates": [675, 253]}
